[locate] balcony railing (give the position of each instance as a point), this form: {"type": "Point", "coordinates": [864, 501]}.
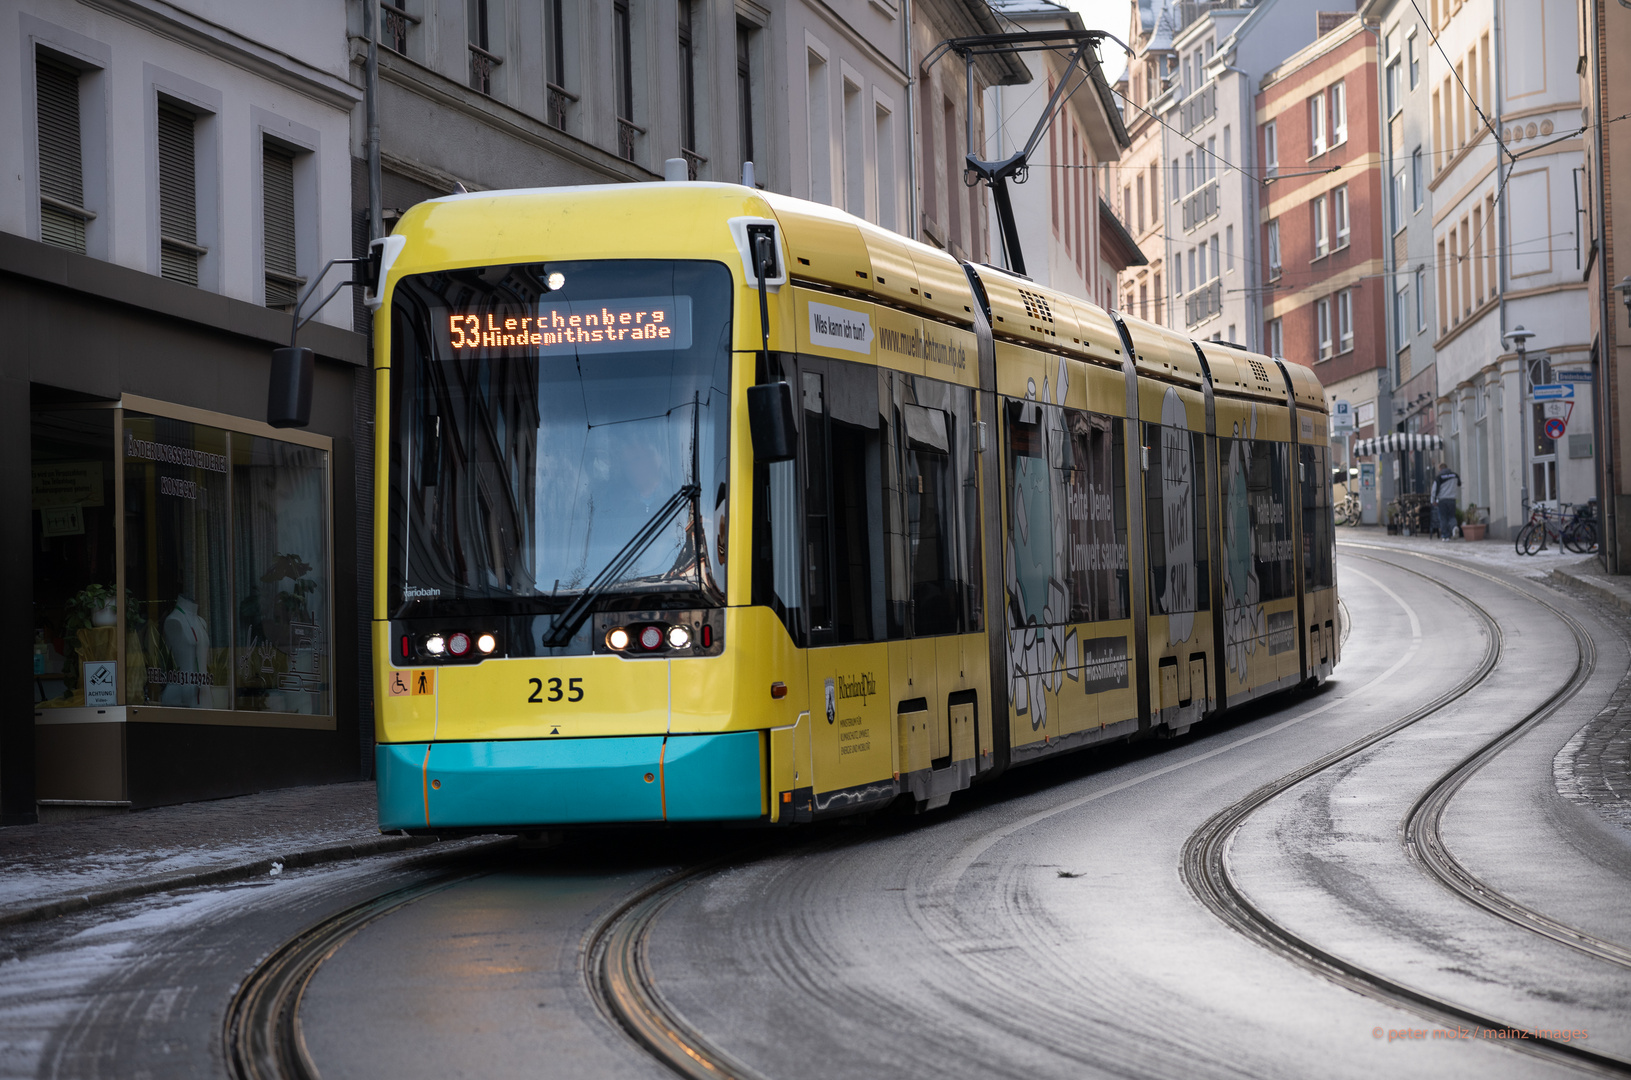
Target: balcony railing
{"type": "Point", "coordinates": [559, 96]}
{"type": "Point", "coordinates": [693, 164]}
{"type": "Point", "coordinates": [482, 65]}
{"type": "Point", "coordinates": [1201, 205]}
{"type": "Point", "coordinates": [394, 24]}
{"type": "Point", "coordinates": [1197, 109]}
{"type": "Point", "coordinates": [627, 133]}
{"type": "Point", "coordinates": [1203, 303]}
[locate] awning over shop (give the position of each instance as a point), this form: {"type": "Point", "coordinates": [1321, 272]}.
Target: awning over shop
{"type": "Point", "coordinates": [1387, 444]}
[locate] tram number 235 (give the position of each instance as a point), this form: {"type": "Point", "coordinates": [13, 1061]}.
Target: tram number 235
{"type": "Point", "coordinates": [573, 690]}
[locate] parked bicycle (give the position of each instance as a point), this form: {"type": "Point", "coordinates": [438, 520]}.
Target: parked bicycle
{"type": "Point", "coordinates": [1573, 527]}
{"type": "Point", "coordinates": [1347, 511]}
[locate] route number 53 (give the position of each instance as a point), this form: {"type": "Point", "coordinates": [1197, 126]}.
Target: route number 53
{"type": "Point", "coordinates": [573, 691]}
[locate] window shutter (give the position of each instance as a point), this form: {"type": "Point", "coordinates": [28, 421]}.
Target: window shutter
{"type": "Point", "coordinates": [178, 197]}
{"type": "Point", "coordinates": [62, 181]}
{"type": "Point", "coordinates": [282, 286]}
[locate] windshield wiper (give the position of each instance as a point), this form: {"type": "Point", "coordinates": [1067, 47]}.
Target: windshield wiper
{"type": "Point", "coordinates": [567, 624]}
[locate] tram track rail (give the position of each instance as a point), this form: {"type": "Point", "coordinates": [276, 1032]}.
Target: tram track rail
{"type": "Point", "coordinates": [1205, 860]}
{"type": "Point", "coordinates": [616, 970]}
{"type": "Point", "coordinates": [262, 1036]}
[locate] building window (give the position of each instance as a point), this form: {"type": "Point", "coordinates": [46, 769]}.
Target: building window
{"type": "Point", "coordinates": [623, 78]}
{"type": "Point", "coordinates": [278, 225]}
{"type": "Point", "coordinates": [744, 90]}
{"type": "Point", "coordinates": [394, 24]}
{"type": "Point", "coordinates": [1322, 238]}
{"type": "Point", "coordinates": [1416, 186]}
{"type": "Point", "coordinates": [820, 136]}
{"type": "Point", "coordinates": [1345, 320]}
{"type": "Point", "coordinates": [1415, 65]}
{"type": "Point", "coordinates": [1143, 300]}
{"type": "Point", "coordinates": [884, 122]}
{"type": "Point", "coordinates": [62, 175]}
{"type": "Point", "coordinates": [854, 150]}
{"type": "Point", "coordinates": [1273, 246]}
{"type": "Point", "coordinates": [1275, 338]}
{"type": "Point", "coordinates": [1216, 269]}
{"type": "Point", "coordinates": [555, 62]}
{"type": "Point", "coordinates": [1177, 186]}
{"type": "Point", "coordinates": [1141, 204]}
{"type": "Point", "coordinates": [178, 196]}
{"type": "Point", "coordinates": [1229, 248]}
{"type": "Point", "coordinates": [1396, 210]}
{"type": "Point", "coordinates": [1339, 214]}
{"type": "Point", "coordinates": [1159, 296]}
{"type": "Point", "coordinates": [688, 85]}
{"type": "Point", "coordinates": [1401, 312]}
{"type": "Point", "coordinates": [1395, 97]}
{"type": "Point", "coordinates": [1271, 148]}
{"type": "Point", "coordinates": [1339, 113]}
{"type": "Point", "coordinates": [483, 61]}
{"type": "Point", "coordinates": [1155, 193]}
{"type": "Point", "coordinates": [1322, 317]}
{"type": "Point", "coordinates": [1316, 125]}
{"type": "Point", "coordinates": [1421, 299]}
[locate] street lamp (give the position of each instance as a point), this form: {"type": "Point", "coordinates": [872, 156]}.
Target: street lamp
{"type": "Point", "coordinates": [1518, 337]}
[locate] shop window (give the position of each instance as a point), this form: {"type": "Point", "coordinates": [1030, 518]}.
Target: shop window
{"type": "Point", "coordinates": [75, 556]}
{"type": "Point", "coordinates": [224, 550]}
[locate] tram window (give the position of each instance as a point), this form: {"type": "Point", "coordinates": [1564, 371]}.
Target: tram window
{"type": "Point", "coordinates": [843, 501]}
{"type": "Point", "coordinates": [776, 535]}
{"type": "Point", "coordinates": [933, 551]}
{"type": "Point", "coordinates": [1318, 528]}
{"type": "Point", "coordinates": [1067, 506]}
{"type": "Point", "coordinates": [1254, 479]}
{"type": "Point", "coordinates": [1175, 520]}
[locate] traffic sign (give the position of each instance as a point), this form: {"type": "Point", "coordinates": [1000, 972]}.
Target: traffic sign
{"type": "Point", "coordinates": [1342, 418]}
{"type": "Point", "coordinates": [1574, 375]}
{"type": "Point", "coordinates": [1555, 428]}
{"type": "Point", "coordinates": [1554, 392]}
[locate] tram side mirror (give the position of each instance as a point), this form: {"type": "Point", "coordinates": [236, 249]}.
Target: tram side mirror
{"type": "Point", "coordinates": [288, 394]}
{"type": "Point", "coordinates": [771, 422]}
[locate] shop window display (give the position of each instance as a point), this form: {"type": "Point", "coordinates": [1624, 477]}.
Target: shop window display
{"type": "Point", "coordinates": [225, 559]}
{"type": "Point", "coordinates": [74, 540]}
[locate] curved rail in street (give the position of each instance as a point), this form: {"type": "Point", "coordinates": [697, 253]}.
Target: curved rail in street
{"type": "Point", "coordinates": [1422, 824]}
{"type": "Point", "coordinates": [262, 1031]}
{"type": "Point", "coordinates": [614, 966]}
{"type": "Point", "coordinates": [1205, 859]}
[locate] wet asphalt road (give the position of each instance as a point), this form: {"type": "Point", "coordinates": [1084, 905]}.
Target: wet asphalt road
{"type": "Point", "coordinates": [1041, 928]}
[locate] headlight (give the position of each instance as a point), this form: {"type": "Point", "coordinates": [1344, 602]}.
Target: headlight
{"type": "Point", "coordinates": [487, 643]}
{"type": "Point", "coordinates": [617, 639]}
{"type": "Point", "coordinates": [678, 637]}
{"type": "Point", "coordinates": [435, 644]}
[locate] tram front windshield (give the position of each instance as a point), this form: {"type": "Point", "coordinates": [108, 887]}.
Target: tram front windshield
{"type": "Point", "coordinates": [553, 420]}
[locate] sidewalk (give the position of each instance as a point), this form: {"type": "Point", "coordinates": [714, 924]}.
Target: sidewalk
{"type": "Point", "coordinates": [1492, 552]}
{"type": "Point", "coordinates": [55, 868]}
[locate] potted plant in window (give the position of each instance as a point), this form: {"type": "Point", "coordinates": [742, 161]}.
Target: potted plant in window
{"type": "Point", "coordinates": [1473, 525]}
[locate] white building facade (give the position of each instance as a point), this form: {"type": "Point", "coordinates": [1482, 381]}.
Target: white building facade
{"type": "Point", "coordinates": [1507, 250]}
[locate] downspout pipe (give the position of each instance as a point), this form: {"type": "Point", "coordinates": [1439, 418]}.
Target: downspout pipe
{"type": "Point", "coordinates": [371, 91]}
{"type": "Point", "coordinates": [911, 122]}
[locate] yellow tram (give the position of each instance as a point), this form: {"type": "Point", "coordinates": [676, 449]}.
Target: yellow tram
{"type": "Point", "coordinates": [697, 503]}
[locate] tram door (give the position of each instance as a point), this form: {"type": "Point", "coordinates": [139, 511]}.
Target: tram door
{"type": "Point", "coordinates": [845, 447]}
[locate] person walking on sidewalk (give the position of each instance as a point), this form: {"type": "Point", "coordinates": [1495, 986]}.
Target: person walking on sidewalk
{"type": "Point", "coordinates": [1446, 489]}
